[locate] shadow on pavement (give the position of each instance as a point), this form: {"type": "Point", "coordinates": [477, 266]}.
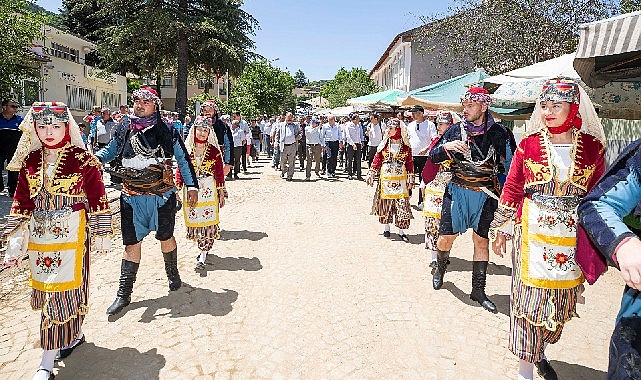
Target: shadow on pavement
{"type": "Point", "coordinates": [502, 301]}
{"type": "Point", "coordinates": [462, 265]}
{"type": "Point", "coordinates": [184, 302]}
{"type": "Point", "coordinates": [89, 361]}
{"type": "Point", "coordinates": [242, 235]}
{"type": "Point", "coordinates": [576, 371]}
{"type": "Point", "coordinates": [214, 263]}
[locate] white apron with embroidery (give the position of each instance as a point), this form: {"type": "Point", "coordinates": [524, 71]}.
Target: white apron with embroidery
{"type": "Point", "coordinates": [56, 249]}
{"type": "Point", "coordinates": [205, 212]}
{"type": "Point", "coordinates": [433, 196]}
{"type": "Point", "coordinates": [393, 180]}
{"type": "Point", "coordinates": [549, 247]}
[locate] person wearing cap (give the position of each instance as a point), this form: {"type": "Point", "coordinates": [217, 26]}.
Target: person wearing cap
{"type": "Point", "coordinates": [421, 133]}
{"type": "Point", "coordinates": [395, 169]}
{"type": "Point", "coordinates": [9, 135]}
{"type": "Point", "coordinates": [202, 219]}
{"type": "Point", "coordinates": [559, 159]}
{"type": "Point", "coordinates": [222, 129]}
{"type": "Point", "coordinates": [315, 145]}
{"type": "Point", "coordinates": [145, 146]}
{"type": "Point", "coordinates": [60, 213]}
{"type": "Point", "coordinates": [479, 149]}
{"type": "Point", "coordinates": [353, 142]}
{"type": "Point", "coordinates": [101, 130]}
{"type": "Point", "coordinates": [435, 177]}
{"type": "Point", "coordinates": [375, 131]}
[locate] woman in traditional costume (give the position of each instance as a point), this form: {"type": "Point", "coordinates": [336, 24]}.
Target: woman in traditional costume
{"type": "Point", "coordinates": [395, 168]}
{"type": "Point", "coordinates": [436, 177]}
{"type": "Point", "coordinates": [202, 219]}
{"type": "Point", "coordinates": [60, 208]}
{"type": "Point", "coordinates": [559, 159]}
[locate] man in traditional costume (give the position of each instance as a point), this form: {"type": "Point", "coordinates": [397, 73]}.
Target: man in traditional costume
{"type": "Point", "coordinates": [202, 219]}
{"type": "Point", "coordinates": [60, 210]}
{"type": "Point", "coordinates": [209, 109]}
{"type": "Point", "coordinates": [559, 159]}
{"type": "Point", "coordinates": [395, 168]}
{"type": "Point", "coordinates": [146, 145]}
{"type": "Point", "coordinates": [479, 149]}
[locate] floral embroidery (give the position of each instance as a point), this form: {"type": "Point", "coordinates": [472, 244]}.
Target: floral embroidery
{"type": "Point", "coordinates": [558, 216]}
{"type": "Point", "coordinates": [559, 260]}
{"type": "Point", "coordinates": [48, 264]}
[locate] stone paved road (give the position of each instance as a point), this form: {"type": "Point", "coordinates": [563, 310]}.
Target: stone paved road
{"type": "Point", "coordinates": [303, 286]}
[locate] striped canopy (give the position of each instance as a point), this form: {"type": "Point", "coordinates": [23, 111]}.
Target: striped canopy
{"type": "Point", "coordinates": [610, 50]}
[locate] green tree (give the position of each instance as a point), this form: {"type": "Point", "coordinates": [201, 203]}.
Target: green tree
{"type": "Point", "coordinates": [301, 79]}
{"type": "Point", "coordinates": [501, 35]}
{"type": "Point", "coordinates": [628, 6]}
{"type": "Point", "coordinates": [262, 88]}
{"type": "Point", "coordinates": [82, 18]}
{"type": "Point", "coordinates": [19, 29]}
{"type": "Point", "coordinates": [346, 85]}
{"type": "Point", "coordinates": [151, 37]}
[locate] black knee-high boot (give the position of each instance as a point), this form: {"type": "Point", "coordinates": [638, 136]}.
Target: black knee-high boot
{"type": "Point", "coordinates": [479, 274]}
{"type": "Point", "coordinates": [442, 259]}
{"type": "Point", "coordinates": [171, 268]}
{"type": "Point", "coordinates": [128, 271]}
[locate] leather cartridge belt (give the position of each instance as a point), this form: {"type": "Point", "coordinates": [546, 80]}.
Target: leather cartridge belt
{"type": "Point", "coordinates": [473, 177]}
{"type": "Point", "coordinates": [155, 179]}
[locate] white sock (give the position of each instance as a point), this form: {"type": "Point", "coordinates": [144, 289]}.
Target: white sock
{"type": "Point", "coordinates": [526, 370]}
{"type": "Point", "coordinates": [203, 256]}
{"type": "Point", "coordinates": [434, 254]}
{"type": "Point", "coordinates": [386, 227]}
{"type": "Point", "coordinates": [48, 358]}
{"type": "Point", "coordinates": [401, 232]}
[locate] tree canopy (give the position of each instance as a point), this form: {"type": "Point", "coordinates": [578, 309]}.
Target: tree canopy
{"type": "Point", "coordinates": [152, 37]}
{"type": "Point", "coordinates": [262, 88]}
{"type": "Point", "coordinates": [19, 29]}
{"type": "Point", "coordinates": [502, 35]}
{"type": "Point", "coordinates": [348, 84]}
{"type": "Point", "coordinates": [301, 79]}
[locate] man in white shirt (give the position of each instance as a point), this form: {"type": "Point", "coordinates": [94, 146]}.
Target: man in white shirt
{"type": "Point", "coordinates": [245, 128]}
{"type": "Point", "coordinates": [375, 131]}
{"type": "Point", "coordinates": [267, 132]}
{"type": "Point", "coordinates": [421, 132]}
{"type": "Point", "coordinates": [353, 142]}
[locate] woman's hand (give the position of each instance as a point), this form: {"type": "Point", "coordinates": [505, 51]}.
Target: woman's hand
{"type": "Point", "coordinates": [221, 198]}
{"type": "Point", "coordinates": [499, 245]}
{"type": "Point", "coordinates": [192, 197]}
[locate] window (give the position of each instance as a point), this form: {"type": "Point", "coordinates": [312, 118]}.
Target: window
{"type": "Point", "coordinates": [63, 52]}
{"type": "Point", "coordinates": [80, 98]}
{"type": "Point", "coordinates": [111, 100]}
{"type": "Point", "coordinates": [167, 81]}
{"type": "Point", "coordinates": [203, 82]}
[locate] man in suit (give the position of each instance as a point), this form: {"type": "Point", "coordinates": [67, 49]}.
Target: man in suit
{"type": "Point", "coordinates": [286, 137]}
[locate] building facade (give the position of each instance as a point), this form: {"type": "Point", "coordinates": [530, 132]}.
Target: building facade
{"type": "Point", "coordinates": [66, 75]}
{"type": "Point", "coordinates": [408, 63]}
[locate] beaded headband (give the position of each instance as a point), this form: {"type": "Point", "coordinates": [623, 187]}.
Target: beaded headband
{"type": "Point", "coordinates": [444, 117]}
{"type": "Point", "coordinates": [50, 112]}
{"type": "Point", "coordinates": [560, 90]}
{"type": "Point", "coordinates": [147, 93]}
{"type": "Point", "coordinates": [477, 94]}
{"type": "Point", "coordinates": [202, 121]}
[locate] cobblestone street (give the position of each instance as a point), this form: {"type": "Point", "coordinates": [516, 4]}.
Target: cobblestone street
{"type": "Point", "coordinates": [303, 286]}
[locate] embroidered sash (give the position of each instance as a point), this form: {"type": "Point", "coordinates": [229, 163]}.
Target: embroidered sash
{"type": "Point", "coordinates": [393, 180]}
{"type": "Point", "coordinates": [56, 247]}
{"type": "Point", "coordinates": [433, 195]}
{"type": "Point", "coordinates": [205, 212]}
{"type": "Point", "coordinates": [549, 243]}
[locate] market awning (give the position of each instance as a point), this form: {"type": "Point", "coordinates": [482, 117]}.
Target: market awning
{"type": "Point", "coordinates": [385, 98]}
{"type": "Point", "coordinates": [444, 95]}
{"type": "Point", "coordinates": [610, 50]}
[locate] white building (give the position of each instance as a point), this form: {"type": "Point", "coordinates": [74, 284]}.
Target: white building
{"type": "Point", "coordinates": [66, 77]}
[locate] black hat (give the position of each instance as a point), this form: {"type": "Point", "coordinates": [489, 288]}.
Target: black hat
{"type": "Point", "coordinates": [417, 108]}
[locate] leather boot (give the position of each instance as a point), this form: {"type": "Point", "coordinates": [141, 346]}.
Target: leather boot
{"type": "Point", "coordinates": [545, 370]}
{"type": "Point", "coordinates": [479, 274]}
{"type": "Point", "coordinates": [171, 268]}
{"type": "Point", "coordinates": [442, 259]}
{"type": "Point", "coordinates": [128, 271]}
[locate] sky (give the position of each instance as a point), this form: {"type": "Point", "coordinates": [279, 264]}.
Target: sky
{"type": "Point", "coordinates": [321, 36]}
